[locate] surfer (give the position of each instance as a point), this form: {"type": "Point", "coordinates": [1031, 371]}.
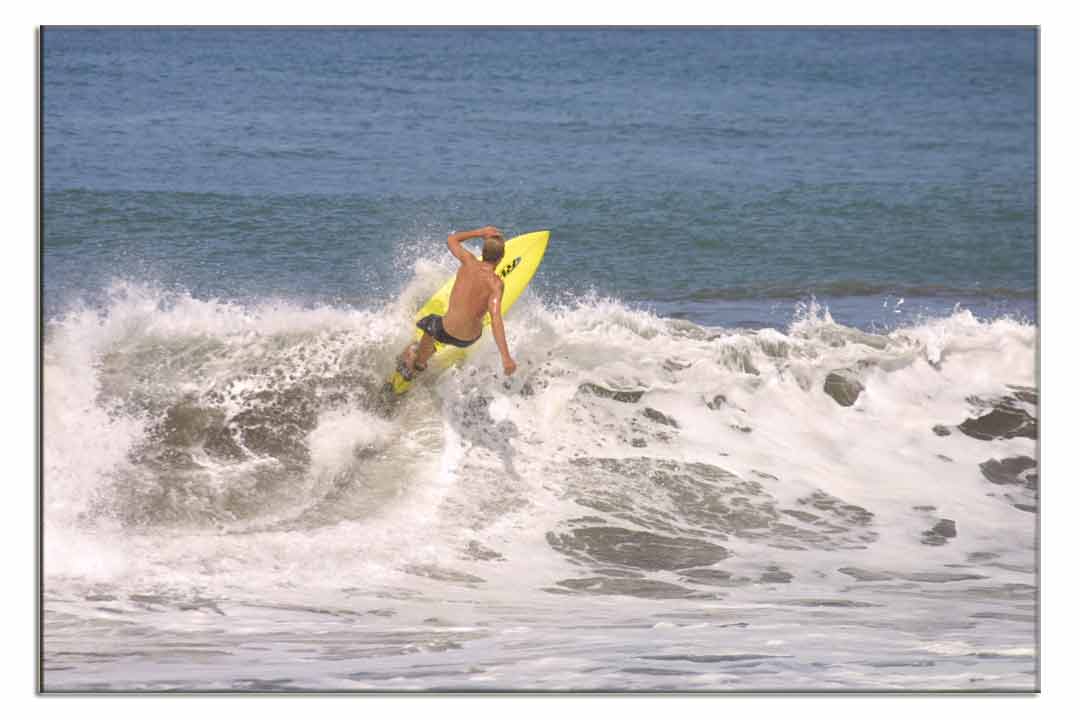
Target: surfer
{"type": "Point", "coordinates": [477, 290]}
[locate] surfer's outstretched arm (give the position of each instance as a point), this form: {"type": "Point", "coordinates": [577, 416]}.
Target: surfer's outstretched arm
{"type": "Point", "coordinates": [455, 240]}
{"type": "Point", "coordinates": [497, 329]}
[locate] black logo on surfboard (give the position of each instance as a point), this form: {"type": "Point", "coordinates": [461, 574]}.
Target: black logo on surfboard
{"type": "Point", "coordinates": [510, 268]}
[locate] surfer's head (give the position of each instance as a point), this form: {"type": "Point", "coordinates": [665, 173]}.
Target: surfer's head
{"type": "Point", "coordinates": [493, 250]}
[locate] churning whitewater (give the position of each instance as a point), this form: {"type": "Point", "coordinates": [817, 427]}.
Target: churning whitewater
{"type": "Point", "coordinates": [231, 500]}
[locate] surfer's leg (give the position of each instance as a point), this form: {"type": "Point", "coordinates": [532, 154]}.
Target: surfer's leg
{"type": "Point", "coordinates": [427, 347]}
{"type": "Point", "coordinates": [414, 359]}
{"type": "Point", "coordinates": [406, 363]}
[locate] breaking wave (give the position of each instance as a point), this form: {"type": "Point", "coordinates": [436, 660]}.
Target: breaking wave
{"type": "Point", "coordinates": [636, 454]}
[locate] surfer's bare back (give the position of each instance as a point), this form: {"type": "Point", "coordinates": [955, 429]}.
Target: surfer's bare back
{"type": "Point", "coordinates": [477, 291]}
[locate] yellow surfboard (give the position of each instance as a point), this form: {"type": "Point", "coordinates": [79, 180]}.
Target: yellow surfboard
{"type": "Point", "coordinates": [521, 258]}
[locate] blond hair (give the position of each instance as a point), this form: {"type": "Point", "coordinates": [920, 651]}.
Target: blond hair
{"type": "Point", "coordinates": [493, 249]}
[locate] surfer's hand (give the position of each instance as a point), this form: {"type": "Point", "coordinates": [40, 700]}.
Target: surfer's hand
{"type": "Point", "coordinates": [490, 231]}
{"type": "Point", "coordinates": [509, 366]}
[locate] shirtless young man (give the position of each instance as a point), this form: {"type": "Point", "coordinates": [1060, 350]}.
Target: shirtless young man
{"type": "Point", "coordinates": [477, 290]}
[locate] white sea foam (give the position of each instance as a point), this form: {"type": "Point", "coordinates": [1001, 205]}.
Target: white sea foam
{"type": "Point", "coordinates": [198, 449]}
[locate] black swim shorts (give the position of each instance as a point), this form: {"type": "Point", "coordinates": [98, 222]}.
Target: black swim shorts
{"type": "Point", "coordinates": [432, 325]}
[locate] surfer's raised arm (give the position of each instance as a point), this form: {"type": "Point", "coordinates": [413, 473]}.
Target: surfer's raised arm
{"type": "Point", "coordinates": [454, 241]}
{"type": "Point", "coordinates": [497, 329]}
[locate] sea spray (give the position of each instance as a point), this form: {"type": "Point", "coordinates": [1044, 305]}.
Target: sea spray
{"type": "Point", "coordinates": [222, 456]}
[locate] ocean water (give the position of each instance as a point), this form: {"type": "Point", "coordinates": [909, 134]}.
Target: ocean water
{"type": "Point", "coordinates": [775, 420]}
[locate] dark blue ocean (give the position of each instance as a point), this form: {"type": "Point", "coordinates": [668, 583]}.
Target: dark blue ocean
{"type": "Point", "coordinates": [775, 420]}
{"type": "Point", "coordinates": [720, 174]}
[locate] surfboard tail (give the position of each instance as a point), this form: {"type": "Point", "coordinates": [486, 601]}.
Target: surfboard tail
{"type": "Point", "coordinates": [398, 384]}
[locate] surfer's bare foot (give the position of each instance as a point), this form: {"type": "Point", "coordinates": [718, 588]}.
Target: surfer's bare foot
{"type": "Point", "coordinates": [407, 365]}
